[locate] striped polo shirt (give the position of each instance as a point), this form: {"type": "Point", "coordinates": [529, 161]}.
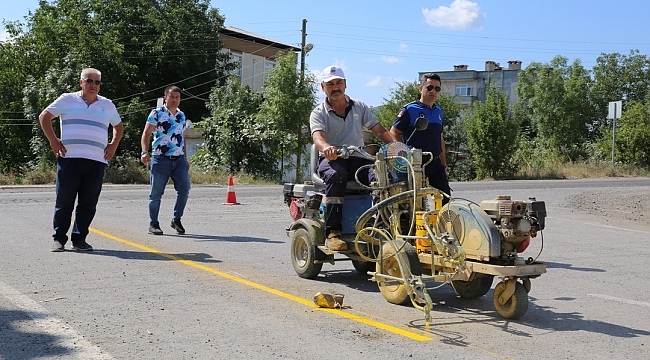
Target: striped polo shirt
{"type": "Point", "coordinates": [84, 128]}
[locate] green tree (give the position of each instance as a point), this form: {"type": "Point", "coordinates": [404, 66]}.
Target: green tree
{"type": "Point", "coordinates": [492, 134]}
{"type": "Point", "coordinates": [632, 136]}
{"type": "Point", "coordinates": [553, 104]}
{"type": "Point", "coordinates": [15, 127]}
{"type": "Point", "coordinates": [454, 133]}
{"type": "Point", "coordinates": [619, 77]}
{"type": "Point", "coordinates": [137, 50]}
{"type": "Point", "coordinates": [400, 95]}
{"type": "Point", "coordinates": [289, 98]}
{"type": "Point", "coordinates": [234, 139]}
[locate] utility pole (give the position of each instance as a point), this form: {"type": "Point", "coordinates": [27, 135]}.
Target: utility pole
{"type": "Point", "coordinates": [304, 49]}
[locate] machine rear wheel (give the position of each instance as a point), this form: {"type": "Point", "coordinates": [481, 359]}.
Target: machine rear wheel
{"type": "Point", "coordinates": [475, 288]}
{"type": "Point", "coordinates": [516, 306]}
{"type": "Point", "coordinates": [303, 254]}
{"type": "Point", "coordinates": [397, 293]}
{"type": "Point", "coordinates": [363, 266]}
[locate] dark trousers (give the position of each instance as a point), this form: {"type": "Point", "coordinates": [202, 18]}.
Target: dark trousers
{"type": "Point", "coordinates": [437, 176]}
{"type": "Point", "coordinates": [76, 179]}
{"type": "Point", "coordinates": [335, 174]}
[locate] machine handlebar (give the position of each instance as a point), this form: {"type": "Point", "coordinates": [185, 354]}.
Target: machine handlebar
{"type": "Point", "coordinates": [345, 151]}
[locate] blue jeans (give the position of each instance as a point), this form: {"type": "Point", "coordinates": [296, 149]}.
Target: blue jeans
{"type": "Point", "coordinates": [82, 179]}
{"type": "Point", "coordinates": [162, 169]}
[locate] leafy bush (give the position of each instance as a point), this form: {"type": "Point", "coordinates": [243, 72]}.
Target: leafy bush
{"type": "Point", "coordinates": [126, 170]}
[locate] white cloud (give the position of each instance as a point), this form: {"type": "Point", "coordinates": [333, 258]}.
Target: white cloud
{"type": "Point", "coordinates": [3, 36]}
{"type": "Point", "coordinates": [375, 82]}
{"type": "Point", "coordinates": [390, 59]}
{"type": "Point", "coordinates": [403, 48]}
{"type": "Point", "coordinates": [459, 15]}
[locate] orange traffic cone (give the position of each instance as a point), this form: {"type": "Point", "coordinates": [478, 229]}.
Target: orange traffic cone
{"type": "Point", "coordinates": [231, 199]}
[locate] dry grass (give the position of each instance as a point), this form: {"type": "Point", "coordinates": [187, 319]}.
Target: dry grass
{"type": "Point", "coordinates": [221, 178]}
{"type": "Point", "coordinates": [41, 177]}
{"type": "Point", "coordinates": [582, 170]}
{"type": "Point", "coordinates": [133, 174]}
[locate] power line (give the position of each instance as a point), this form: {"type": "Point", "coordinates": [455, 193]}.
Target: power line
{"type": "Point", "coordinates": [470, 36]}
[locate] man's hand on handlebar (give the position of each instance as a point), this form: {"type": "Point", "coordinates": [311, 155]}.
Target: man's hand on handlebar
{"type": "Point", "coordinates": [331, 152]}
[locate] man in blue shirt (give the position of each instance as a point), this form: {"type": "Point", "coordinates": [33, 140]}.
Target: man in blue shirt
{"type": "Point", "coordinates": [168, 158]}
{"type": "Point", "coordinates": [431, 139]}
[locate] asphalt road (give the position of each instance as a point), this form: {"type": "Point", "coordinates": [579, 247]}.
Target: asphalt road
{"type": "Point", "coordinates": [227, 289]}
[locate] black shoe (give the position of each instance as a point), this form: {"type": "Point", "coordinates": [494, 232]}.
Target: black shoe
{"type": "Point", "coordinates": [155, 230]}
{"type": "Point", "coordinates": [57, 247]}
{"type": "Point", "coordinates": [176, 225]}
{"type": "Point", "coordinates": [84, 246]}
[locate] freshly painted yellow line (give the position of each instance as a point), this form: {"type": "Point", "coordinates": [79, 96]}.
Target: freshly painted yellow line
{"type": "Point", "coordinates": [379, 325]}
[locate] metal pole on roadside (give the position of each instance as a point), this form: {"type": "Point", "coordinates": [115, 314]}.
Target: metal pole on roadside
{"type": "Point", "coordinates": [613, 136]}
{"type": "Point", "coordinates": [615, 109]}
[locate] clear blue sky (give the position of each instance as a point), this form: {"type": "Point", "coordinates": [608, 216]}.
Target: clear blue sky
{"type": "Point", "coordinates": [380, 42]}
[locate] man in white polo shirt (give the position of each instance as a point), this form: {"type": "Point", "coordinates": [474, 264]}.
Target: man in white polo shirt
{"type": "Point", "coordinates": [340, 120]}
{"type": "Point", "coordinates": [82, 153]}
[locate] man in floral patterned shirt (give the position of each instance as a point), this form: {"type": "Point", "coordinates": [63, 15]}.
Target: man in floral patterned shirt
{"type": "Point", "coordinates": [167, 159]}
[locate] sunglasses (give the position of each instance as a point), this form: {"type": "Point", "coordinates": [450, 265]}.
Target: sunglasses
{"type": "Point", "coordinates": [91, 81]}
{"type": "Point", "coordinates": [432, 87]}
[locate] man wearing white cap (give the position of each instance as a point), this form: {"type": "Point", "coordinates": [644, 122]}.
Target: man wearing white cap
{"type": "Point", "coordinates": [338, 121]}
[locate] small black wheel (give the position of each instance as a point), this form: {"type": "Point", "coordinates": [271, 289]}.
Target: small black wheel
{"type": "Point", "coordinates": [363, 266]}
{"type": "Point", "coordinates": [396, 293]}
{"type": "Point", "coordinates": [475, 288]}
{"type": "Point", "coordinates": [516, 306]}
{"type": "Point", "coordinates": [303, 254]}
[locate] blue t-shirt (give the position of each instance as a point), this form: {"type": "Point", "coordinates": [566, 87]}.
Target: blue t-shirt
{"type": "Point", "coordinates": [427, 140]}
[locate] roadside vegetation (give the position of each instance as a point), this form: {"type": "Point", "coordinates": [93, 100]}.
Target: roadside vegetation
{"type": "Point", "coordinates": [556, 128]}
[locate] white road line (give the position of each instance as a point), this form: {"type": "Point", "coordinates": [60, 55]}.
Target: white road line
{"type": "Point", "coordinates": [597, 224]}
{"type": "Point", "coordinates": [68, 337]}
{"type": "Point", "coordinates": [626, 301]}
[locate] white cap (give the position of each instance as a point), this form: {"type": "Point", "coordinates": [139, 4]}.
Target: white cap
{"type": "Point", "coordinates": [332, 72]}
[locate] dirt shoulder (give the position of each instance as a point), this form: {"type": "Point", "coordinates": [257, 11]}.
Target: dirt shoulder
{"type": "Point", "coordinates": [630, 205]}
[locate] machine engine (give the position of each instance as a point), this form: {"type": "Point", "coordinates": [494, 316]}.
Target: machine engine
{"type": "Point", "coordinates": [498, 228]}
{"type": "Point", "coordinates": [303, 201]}
{"type": "Point", "coordinates": [516, 220]}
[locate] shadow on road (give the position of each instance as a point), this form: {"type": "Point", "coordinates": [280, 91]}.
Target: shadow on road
{"type": "Point", "coordinates": [145, 255]}
{"type": "Point", "coordinates": [537, 317]}
{"type": "Point", "coordinates": [556, 265]}
{"type": "Point", "coordinates": [235, 239]}
{"type": "Point", "coordinates": [348, 277]}
{"type": "Point", "coordinates": [18, 344]}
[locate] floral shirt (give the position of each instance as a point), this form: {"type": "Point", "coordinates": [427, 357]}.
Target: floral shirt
{"type": "Point", "coordinates": [168, 136]}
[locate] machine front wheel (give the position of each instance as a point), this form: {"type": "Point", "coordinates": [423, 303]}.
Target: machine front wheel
{"type": "Point", "coordinates": [397, 293]}
{"type": "Point", "coordinates": [516, 306]}
{"type": "Point", "coordinates": [475, 288]}
{"type": "Point", "coordinates": [303, 254]}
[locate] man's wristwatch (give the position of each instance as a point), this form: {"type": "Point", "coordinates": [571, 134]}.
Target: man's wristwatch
{"type": "Point", "coordinates": [143, 152]}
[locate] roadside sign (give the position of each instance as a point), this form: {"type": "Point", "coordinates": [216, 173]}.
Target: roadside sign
{"type": "Point", "coordinates": [615, 109]}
